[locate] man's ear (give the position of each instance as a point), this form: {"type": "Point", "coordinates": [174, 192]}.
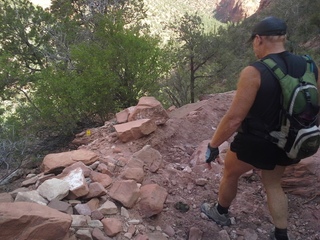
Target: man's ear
{"type": "Point", "coordinates": [260, 39]}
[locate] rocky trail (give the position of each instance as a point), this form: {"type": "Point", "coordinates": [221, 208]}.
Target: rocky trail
{"type": "Point", "coordinates": [180, 175]}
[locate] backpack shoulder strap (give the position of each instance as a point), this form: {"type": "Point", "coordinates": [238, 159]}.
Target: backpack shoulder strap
{"type": "Point", "coordinates": [273, 66]}
{"type": "Point", "coordinates": [309, 62]}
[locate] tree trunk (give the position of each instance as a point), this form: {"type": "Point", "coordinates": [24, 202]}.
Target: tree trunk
{"type": "Point", "coordinates": [192, 79]}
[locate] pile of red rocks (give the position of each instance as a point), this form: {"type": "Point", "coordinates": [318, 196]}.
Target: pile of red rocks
{"type": "Point", "coordinates": [141, 120]}
{"type": "Point", "coordinates": [79, 195]}
{"type": "Point", "coordinates": [84, 197]}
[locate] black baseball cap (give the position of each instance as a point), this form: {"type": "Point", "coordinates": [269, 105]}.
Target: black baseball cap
{"type": "Point", "coordinates": [269, 26]}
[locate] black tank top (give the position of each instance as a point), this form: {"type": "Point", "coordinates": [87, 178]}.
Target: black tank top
{"type": "Point", "coordinates": [267, 105]}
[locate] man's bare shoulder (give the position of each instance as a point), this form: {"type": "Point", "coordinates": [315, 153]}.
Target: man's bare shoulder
{"type": "Point", "coordinates": [250, 71]}
{"type": "Point", "coordinates": [249, 76]}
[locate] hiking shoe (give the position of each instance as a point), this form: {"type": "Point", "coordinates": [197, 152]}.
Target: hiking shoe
{"type": "Point", "coordinates": [212, 213]}
{"type": "Point", "coordinates": [273, 237]}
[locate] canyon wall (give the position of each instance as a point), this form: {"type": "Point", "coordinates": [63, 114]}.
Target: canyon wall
{"type": "Point", "coordinates": [237, 10]}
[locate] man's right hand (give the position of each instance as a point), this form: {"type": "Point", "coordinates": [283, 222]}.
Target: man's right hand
{"type": "Point", "coordinates": [211, 154]}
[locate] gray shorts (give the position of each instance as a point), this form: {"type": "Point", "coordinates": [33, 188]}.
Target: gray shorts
{"type": "Point", "coordinates": [259, 152]}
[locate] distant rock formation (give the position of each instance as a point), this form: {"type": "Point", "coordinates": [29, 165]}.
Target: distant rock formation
{"type": "Point", "coordinates": [264, 4]}
{"type": "Point", "coordinates": [237, 10]}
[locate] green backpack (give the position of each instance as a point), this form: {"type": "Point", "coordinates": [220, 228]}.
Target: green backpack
{"type": "Point", "coordinates": [299, 133]}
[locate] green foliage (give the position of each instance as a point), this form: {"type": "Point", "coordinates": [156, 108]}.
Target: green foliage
{"type": "Point", "coordinates": [83, 60]}
{"type": "Point", "coordinates": [109, 73]}
{"type": "Point", "coordinates": [22, 32]}
{"type": "Point", "coordinates": [23, 41]}
{"type": "Point", "coordinates": [194, 50]}
{"type": "Point", "coordinates": [76, 64]}
{"type": "Point", "coordinates": [136, 60]}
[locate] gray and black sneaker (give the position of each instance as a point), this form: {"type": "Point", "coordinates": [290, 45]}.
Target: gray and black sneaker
{"type": "Point", "coordinates": [273, 237]}
{"type": "Point", "coordinates": [212, 213]}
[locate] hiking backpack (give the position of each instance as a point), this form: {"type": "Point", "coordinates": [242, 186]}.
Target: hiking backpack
{"type": "Point", "coordinates": [299, 133]}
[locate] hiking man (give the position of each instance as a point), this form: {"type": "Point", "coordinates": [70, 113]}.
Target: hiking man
{"type": "Point", "coordinates": [257, 103]}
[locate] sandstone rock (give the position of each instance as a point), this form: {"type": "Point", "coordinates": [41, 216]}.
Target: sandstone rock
{"type": "Point", "coordinates": [79, 221]}
{"type": "Point", "coordinates": [97, 234]}
{"type": "Point", "coordinates": [112, 226]}
{"type": "Point", "coordinates": [128, 235]}
{"type": "Point", "coordinates": [151, 157]}
{"type": "Point", "coordinates": [95, 190]}
{"type": "Point", "coordinates": [6, 197]}
{"type": "Point", "coordinates": [94, 165]}
{"type": "Point", "coordinates": [223, 235]}
{"type": "Point", "coordinates": [303, 178]}
{"type": "Point", "coordinates": [85, 169]}
{"type": "Point", "coordinates": [131, 229]}
{"type": "Point", "coordinates": [135, 129]}
{"type": "Point", "coordinates": [44, 177]}
{"type": "Point", "coordinates": [124, 212]}
{"type": "Point", "coordinates": [29, 181]}
{"type": "Point", "coordinates": [136, 174]}
{"type": "Point", "coordinates": [105, 169]}
{"type": "Point", "coordinates": [31, 196]}
{"type": "Point", "coordinates": [135, 162]}
{"type": "Point", "coordinates": [96, 215]}
{"type": "Point", "coordinates": [54, 189]}
{"type": "Point", "coordinates": [108, 208]}
{"type": "Point", "coordinates": [83, 234]}
{"type": "Point", "coordinates": [93, 204]}
{"type": "Point", "coordinates": [126, 192]}
{"type": "Point", "coordinates": [73, 202]}
{"type": "Point", "coordinates": [61, 206]}
{"type": "Point", "coordinates": [171, 108]}
{"type": "Point", "coordinates": [123, 115]}
{"type": "Point", "coordinates": [104, 179]}
{"type": "Point", "coordinates": [95, 223]}
{"type": "Point", "coordinates": [55, 162]}
{"type": "Point", "coordinates": [85, 156]}
{"type": "Point", "coordinates": [77, 183]}
{"type": "Point", "coordinates": [195, 233]}
{"type": "Point", "coordinates": [149, 107]}
{"type": "Point", "coordinates": [201, 181]}
{"type": "Point", "coordinates": [169, 230]}
{"type": "Point", "coordinates": [152, 198]}
{"type": "Point", "coordinates": [83, 209]}
{"type": "Point", "coordinates": [32, 221]}
{"type": "Point", "coordinates": [16, 191]}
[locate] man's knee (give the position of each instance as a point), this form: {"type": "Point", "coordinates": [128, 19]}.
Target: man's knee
{"type": "Point", "coordinates": [234, 167]}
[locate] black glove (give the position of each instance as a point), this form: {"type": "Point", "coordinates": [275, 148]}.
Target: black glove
{"type": "Point", "coordinates": [211, 154]}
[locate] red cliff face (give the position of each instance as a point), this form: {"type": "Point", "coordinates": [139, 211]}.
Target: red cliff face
{"type": "Point", "coordinates": [237, 10]}
{"type": "Point", "coordinates": [264, 4]}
